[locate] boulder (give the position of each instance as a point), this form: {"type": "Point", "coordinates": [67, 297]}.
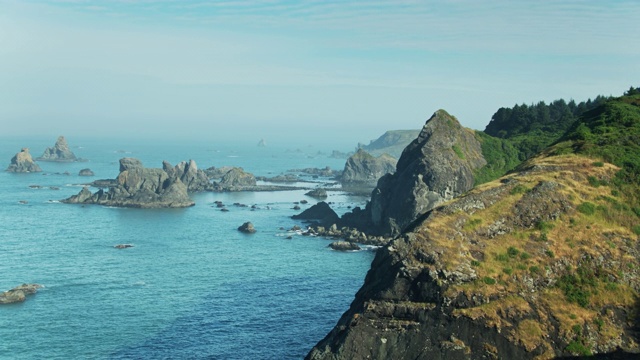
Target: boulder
{"type": "Point", "coordinates": [363, 170]}
{"type": "Point", "coordinates": [344, 246]}
{"type": "Point", "coordinates": [60, 152]}
{"type": "Point", "coordinates": [247, 228]}
{"type": "Point", "coordinates": [321, 212]}
{"type": "Point", "coordinates": [23, 163]}
{"type": "Point", "coordinates": [19, 293]}
{"type": "Point", "coordinates": [318, 193]}
{"type": "Point", "coordinates": [86, 172]}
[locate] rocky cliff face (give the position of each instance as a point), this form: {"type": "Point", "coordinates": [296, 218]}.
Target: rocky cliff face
{"type": "Point", "coordinates": [391, 142]}
{"type": "Point", "coordinates": [137, 186]}
{"type": "Point", "coordinates": [523, 267]}
{"type": "Point", "coordinates": [363, 170]}
{"type": "Point", "coordinates": [59, 152]}
{"type": "Point", "coordinates": [23, 163]}
{"type": "Point", "coordinates": [189, 174]}
{"type": "Point", "coordinates": [437, 166]}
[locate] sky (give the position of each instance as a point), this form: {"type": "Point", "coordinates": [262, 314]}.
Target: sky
{"type": "Point", "coordinates": [319, 69]}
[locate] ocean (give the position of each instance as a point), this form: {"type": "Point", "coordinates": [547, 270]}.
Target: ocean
{"type": "Point", "coordinates": [192, 286]}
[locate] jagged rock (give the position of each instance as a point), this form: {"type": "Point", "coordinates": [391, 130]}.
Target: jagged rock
{"type": "Point", "coordinates": [23, 163]}
{"type": "Point", "coordinates": [362, 170]}
{"type": "Point", "coordinates": [236, 179]}
{"type": "Point", "coordinates": [60, 152]}
{"type": "Point", "coordinates": [137, 186]}
{"type": "Point", "coordinates": [437, 166]}
{"type": "Point", "coordinates": [188, 173]}
{"type": "Point", "coordinates": [217, 173]}
{"type": "Point", "coordinates": [321, 212]}
{"type": "Point", "coordinates": [247, 228]}
{"type": "Point", "coordinates": [344, 246]}
{"type": "Point", "coordinates": [86, 172]}
{"type": "Point", "coordinates": [19, 293]}
{"type": "Point", "coordinates": [318, 193]}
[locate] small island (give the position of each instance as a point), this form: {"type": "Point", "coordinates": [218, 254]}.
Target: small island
{"type": "Point", "coordinates": [60, 152]}
{"type": "Point", "coordinates": [22, 162]}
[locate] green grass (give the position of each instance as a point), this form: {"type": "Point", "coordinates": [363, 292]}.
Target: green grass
{"type": "Point", "coordinates": [458, 151]}
{"type": "Point", "coordinates": [587, 208]}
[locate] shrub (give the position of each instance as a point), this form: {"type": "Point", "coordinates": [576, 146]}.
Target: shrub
{"type": "Point", "coordinates": [507, 270]}
{"type": "Point", "coordinates": [475, 263]}
{"type": "Point", "coordinates": [524, 256]}
{"type": "Point", "coordinates": [577, 348]}
{"type": "Point", "coordinates": [550, 253]}
{"type": "Point", "coordinates": [598, 164]}
{"type": "Point", "coordinates": [636, 229]}
{"type": "Point", "coordinates": [518, 189]}
{"type": "Point", "coordinates": [489, 281]}
{"type": "Point", "coordinates": [587, 208]}
{"type": "Point", "coordinates": [534, 269]}
{"type": "Point", "coordinates": [512, 251]}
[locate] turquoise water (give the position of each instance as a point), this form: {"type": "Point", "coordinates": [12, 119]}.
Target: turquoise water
{"type": "Point", "coordinates": [191, 287]}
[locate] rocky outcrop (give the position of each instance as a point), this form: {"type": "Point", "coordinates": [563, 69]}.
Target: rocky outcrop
{"type": "Point", "coordinates": [318, 193]}
{"type": "Point", "coordinates": [215, 173]}
{"type": "Point", "coordinates": [437, 166]}
{"type": "Point", "coordinates": [321, 212]}
{"type": "Point", "coordinates": [189, 174]}
{"type": "Point", "coordinates": [362, 170]}
{"type": "Point", "coordinates": [247, 228]}
{"type": "Point", "coordinates": [86, 172]}
{"type": "Point", "coordinates": [19, 293]}
{"type": "Point", "coordinates": [515, 269]}
{"type": "Point", "coordinates": [23, 163]}
{"type": "Point", "coordinates": [140, 187]}
{"type": "Point", "coordinates": [344, 246]}
{"type": "Point", "coordinates": [60, 152]}
{"type": "Point", "coordinates": [235, 179]}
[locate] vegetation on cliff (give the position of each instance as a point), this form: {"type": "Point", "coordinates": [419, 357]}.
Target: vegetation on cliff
{"type": "Point", "coordinates": [541, 263]}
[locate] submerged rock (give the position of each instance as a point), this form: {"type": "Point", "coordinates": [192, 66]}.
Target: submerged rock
{"type": "Point", "coordinates": [19, 293]}
{"type": "Point", "coordinates": [123, 246]}
{"type": "Point", "coordinates": [22, 162]}
{"type": "Point", "coordinates": [60, 152]}
{"type": "Point", "coordinates": [318, 193]}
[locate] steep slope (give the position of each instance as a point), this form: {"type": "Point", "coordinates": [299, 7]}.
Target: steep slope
{"type": "Point", "coordinates": [437, 166]}
{"type": "Point", "coordinates": [539, 264]}
{"type": "Point", "coordinates": [362, 170]}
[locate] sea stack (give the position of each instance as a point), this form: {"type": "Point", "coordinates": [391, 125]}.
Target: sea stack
{"type": "Point", "coordinates": [59, 152]}
{"type": "Point", "coordinates": [23, 163]}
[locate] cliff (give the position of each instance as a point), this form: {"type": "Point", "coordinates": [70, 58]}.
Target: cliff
{"type": "Point", "coordinates": [363, 170]}
{"type": "Point", "coordinates": [516, 269]}
{"type": "Point", "coordinates": [542, 263]}
{"type": "Point", "coordinates": [23, 163]}
{"type": "Point", "coordinates": [140, 187]}
{"type": "Point", "coordinates": [60, 152]}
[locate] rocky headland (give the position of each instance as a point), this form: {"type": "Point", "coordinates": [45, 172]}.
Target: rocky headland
{"type": "Point", "coordinates": [60, 152]}
{"type": "Point", "coordinates": [22, 162]}
{"type": "Point", "coordinates": [362, 170]}
{"type": "Point", "coordinates": [539, 264]}
{"type": "Point", "coordinates": [138, 187]}
{"type": "Point", "coordinates": [391, 142]}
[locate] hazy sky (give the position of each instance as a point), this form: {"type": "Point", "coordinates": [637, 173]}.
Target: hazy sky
{"type": "Point", "coordinates": [317, 68]}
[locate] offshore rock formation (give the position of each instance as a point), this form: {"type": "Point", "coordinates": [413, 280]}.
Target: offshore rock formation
{"type": "Point", "coordinates": [188, 173]}
{"type": "Point", "coordinates": [23, 163]}
{"type": "Point", "coordinates": [19, 293]}
{"type": "Point", "coordinates": [140, 187]}
{"type": "Point", "coordinates": [235, 179]}
{"type": "Point", "coordinates": [518, 268]}
{"type": "Point", "coordinates": [362, 170]}
{"type": "Point", "coordinates": [437, 166]}
{"type": "Point", "coordinates": [59, 152]}
{"type": "Point", "coordinates": [86, 172]}
{"type": "Point", "coordinates": [321, 212]}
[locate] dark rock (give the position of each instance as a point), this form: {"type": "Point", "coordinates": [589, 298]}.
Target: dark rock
{"type": "Point", "coordinates": [140, 187]}
{"type": "Point", "coordinates": [317, 193]}
{"type": "Point", "coordinates": [224, 210]}
{"type": "Point", "coordinates": [122, 246]}
{"type": "Point", "coordinates": [60, 152]}
{"type": "Point", "coordinates": [344, 246]}
{"type": "Point", "coordinates": [364, 170]}
{"type": "Point", "coordinates": [86, 172]}
{"type": "Point", "coordinates": [304, 202]}
{"type": "Point", "coordinates": [247, 228]}
{"type": "Point", "coordinates": [19, 293]}
{"type": "Point", "coordinates": [23, 163]}
{"type": "Point", "coordinates": [296, 207]}
{"type": "Point", "coordinates": [321, 212]}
